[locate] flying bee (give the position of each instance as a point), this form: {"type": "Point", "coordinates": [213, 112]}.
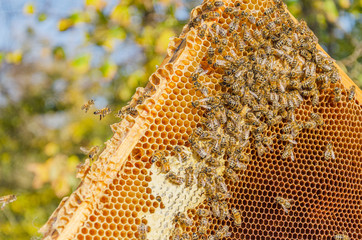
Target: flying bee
{"type": "Point", "coordinates": [317, 118]}
{"type": "Point", "coordinates": [203, 212]}
{"type": "Point", "coordinates": [351, 92]}
{"type": "Point", "coordinates": [87, 105]}
{"type": "Point", "coordinates": [189, 176]}
{"type": "Point", "coordinates": [103, 112]}
{"type": "Point", "coordinates": [288, 152]}
{"type": "Point", "coordinates": [174, 179]}
{"type": "Point", "coordinates": [223, 232]}
{"type": "Point", "coordinates": [341, 237]}
{"type": "Point", "coordinates": [183, 220]}
{"type": "Point", "coordinates": [6, 200]}
{"type": "Point", "coordinates": [329, 153]}
{"type": "Point", "coordinates": [231, 175]}
{"type": "Point", "coordinates": [288, 138]}
{"type": "Point", "coordinates": [142, 231]}
{"type": "Point", "coordinates": [182, 156]}
{"type": "Point", "coordinates": [285, 203]}
{"type": "Point", "coordinates": [92, 152]}
{"type": "Point", "coordinates": [237, 217]}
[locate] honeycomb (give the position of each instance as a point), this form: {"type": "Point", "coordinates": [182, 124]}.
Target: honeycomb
{"type": "Point", "coordinates": [303, 183]}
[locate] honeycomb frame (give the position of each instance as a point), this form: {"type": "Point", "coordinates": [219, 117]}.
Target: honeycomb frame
{"type": "Point", "coordinates": [121, 189]}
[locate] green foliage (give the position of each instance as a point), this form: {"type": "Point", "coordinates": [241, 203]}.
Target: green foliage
{"type": "Point", "coordinates": [41, 123]}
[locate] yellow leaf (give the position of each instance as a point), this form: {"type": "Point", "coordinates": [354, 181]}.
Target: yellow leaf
{"type": "Point", "coordinates": [163, 40]}
{"type": "Point", "coordinates": [120, 15]}
{"type": "Point", "coordinates": [29, 9]}
{"type": "Point", "coordinates": [14, 57]}
{"type": "Point", "coordinates": [108, 70]}
{"type": "Point", "coordinates": [65, 24]}
{"type": "Point", "coordinates": [96, 4]}
{"type": "Point", "coordinates": [81, 63]}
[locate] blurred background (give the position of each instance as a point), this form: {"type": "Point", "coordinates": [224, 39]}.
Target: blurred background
{"type": "Point", "coordinates": [55, 55]}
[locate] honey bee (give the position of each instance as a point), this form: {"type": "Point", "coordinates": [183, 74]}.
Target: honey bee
{"type": "Point", "coordinates": [223, 232]}
{"type": "Point", "coordinates": [337, 94]}
{"type": "Point", "coordinates": [103, 112]}
{"type": "Point", "coordinates": [341, 237]}
{"type": "Point", "coordinates": [269, 11]}
{"type": "Point", "coordinates": [261, 22]}
{"type": "Point", "coordinates": [288, 152]}
{"type": "Point", "coordinates": [189, 176]}
{"type": "Point", "coordinates": [182, 156]}
{"type": "Point", "coordinates": [315, 97]}
{"type": "Point", "coordinates": [210, 15]}
{"type": "Point", "coordinates": [285, 203]}
{"type": "Point", "coordinates": [248, 38]}
{"type": "Point", "coordinates": [230, 174]}
{"type": "Point", "coordinates": [351, 92]}
{"type": "Point", "coordinates": [268, 141]}
{"type": "Point", "coordinates": [237, 217]}
{"type": "Point", "coordinates": [261, 149]}
{"type": "Point", "coordinates": [318, 119]}
{"type": "Point", "coordinates": [239, 43]}
{"type": "Point", "coordinates": [329, 153]}
{"type": "Point", "coordinates": [176, 234]}
{"type": "Point", "coordinates": [87, 105]}
{"type": "Point", "coordinates": [204, 223]}
{"type": "Point", "coordinates": [127, 110]}
{"type": "Point", "coordinates": [288, 138]}
{"type": "Point", "coordinates": [183, 220]}
{"type": "Point", "coordinates": [195, 236]}
{"type": "Point", "coordinates": [215, 208]}
{"type": "Point", "coordinates": [310, 125]}
{"type": "Point", "coordinates": [251, 19]}
{"type": "Point", "coordinates": [6, 200]}
{"type": "Point", "coordinates": [224, 210]}
{"type": "Point", "coordinates": [221, 185]}
{"type": "Point", "coordinates": [157, 156]}
{"type": "Point", "coordinates": [202, 31]}
{"type": "Point", "coordinates": [201, 179]}
{"type": "Point", "coordinates": [174, 179]}
{"type": "Point", "coordinates": [274, 121]}
{"type": "Point", "coordinates": [218, 3]}
{"type": "Point", "coordinates": [142, 231]}
{"type": "Point", "coordinates": [233, 26]}
{"type": "Point", "coordinates": [185, 236]}
{"type": "Point", "coordinates": [335, 77]}
{"type": "Point", "coordinates": [92, 152]}
{"type": "Point", "coordinates": [203, 212]}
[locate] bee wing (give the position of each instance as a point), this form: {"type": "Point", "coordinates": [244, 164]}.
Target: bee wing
{"type": "Point", "coordinates": [292, 156]}
{"type": "Point", "coordinates": [333, 155]}
{"type": "Point", "coordinates": [84, 150]}
{"type": "Point", "coordinates": [285, 209]}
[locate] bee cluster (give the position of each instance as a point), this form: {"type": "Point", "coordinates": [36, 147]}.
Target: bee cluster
{"type": "Point", "coordinates": [271, 67]}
